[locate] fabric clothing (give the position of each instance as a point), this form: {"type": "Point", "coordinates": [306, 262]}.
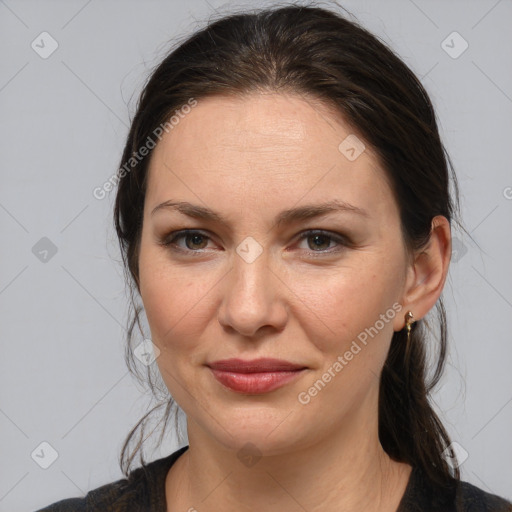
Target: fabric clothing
{"type": "Point", "coordinates": [144, 491]}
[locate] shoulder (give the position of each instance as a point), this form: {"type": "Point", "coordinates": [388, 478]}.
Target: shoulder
{"type": "Point", "coordinates": [69, 505]}
{"type": "Point", "coordinates": [102, 498]}
{"type": "Point", "coordinates": [473, 499]}
{"type": "Point", "coordinates": [423, 495]}
{"type": "Point", "coordinates": [144, 489]}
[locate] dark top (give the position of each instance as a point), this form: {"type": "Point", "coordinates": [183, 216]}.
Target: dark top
{"type": "Point", "coordinates": [144, 491]}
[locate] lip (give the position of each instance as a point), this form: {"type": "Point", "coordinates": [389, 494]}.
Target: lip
{"type": "Point", "coordinates": [263, 364]}
{"type": "Point", "coordinates": [256, 376]}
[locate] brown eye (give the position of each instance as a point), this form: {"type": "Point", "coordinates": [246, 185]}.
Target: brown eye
{"type": "Point", "coordinates": [194, 240]}
{"type": "Point", "coordinates": [321, 241]}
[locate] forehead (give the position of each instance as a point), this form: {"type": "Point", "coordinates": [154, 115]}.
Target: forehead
{"type": "Point", "coordinates": [265, 149]}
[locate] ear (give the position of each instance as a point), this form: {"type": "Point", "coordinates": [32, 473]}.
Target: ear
{"type": "Point", "coordinates": [427, 273]}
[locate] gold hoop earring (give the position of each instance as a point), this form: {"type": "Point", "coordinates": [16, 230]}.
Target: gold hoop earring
{"type": "Point", "coordinates": [408, 322]}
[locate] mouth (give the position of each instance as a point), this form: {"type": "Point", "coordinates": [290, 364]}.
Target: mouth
{"type": "Point", "coordinates": [257, 376]}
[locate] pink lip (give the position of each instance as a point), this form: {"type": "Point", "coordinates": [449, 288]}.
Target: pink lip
{"type": "Point", "coordinates": [256, 376]}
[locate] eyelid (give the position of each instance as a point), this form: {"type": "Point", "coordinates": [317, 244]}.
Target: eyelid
{"type": "Point", "coordinates": [169, 239]}
{"type": "Point", "coordinates": [342, 240]}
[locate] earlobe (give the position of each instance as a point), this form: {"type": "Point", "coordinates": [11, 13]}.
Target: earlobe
{"type": "Point", "coordinates": [427, 274]}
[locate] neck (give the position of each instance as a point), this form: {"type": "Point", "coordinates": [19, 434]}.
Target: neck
{"type": "Point", "coordinates": [349, 472]}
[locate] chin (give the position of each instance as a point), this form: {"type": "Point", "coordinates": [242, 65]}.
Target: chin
{"type": "Point", "coordinates": [263, 430]}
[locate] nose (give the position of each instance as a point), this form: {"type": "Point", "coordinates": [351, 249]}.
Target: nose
{"type": "Point", "coordinates": [254, 298]}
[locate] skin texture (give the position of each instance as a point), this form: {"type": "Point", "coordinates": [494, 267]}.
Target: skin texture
{"type": "Point", "coordinates": [248, 158]}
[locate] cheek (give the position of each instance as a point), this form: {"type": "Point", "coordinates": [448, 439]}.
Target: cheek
{"type": "Point", "coordinates": [351, 330]}
{"type": "Point", "coordinates": [345, 302]}
{"type": "Point", "coordinates": [174, 301]}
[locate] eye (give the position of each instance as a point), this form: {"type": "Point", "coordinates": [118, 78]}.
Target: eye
{"type": "Point", "coordinates": [196, 241]}
{"type": "Point", "coordinates": [321, 240]}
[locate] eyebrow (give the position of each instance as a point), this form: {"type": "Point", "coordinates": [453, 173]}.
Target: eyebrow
{"type": "Point", "coordinates": [290, 216]}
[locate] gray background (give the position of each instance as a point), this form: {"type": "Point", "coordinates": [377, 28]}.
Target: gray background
{"type": "Point", "coordinates": [63, 122]}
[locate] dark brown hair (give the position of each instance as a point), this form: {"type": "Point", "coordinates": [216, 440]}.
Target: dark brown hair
{"type": "Point", "coordinates": [318, 53]}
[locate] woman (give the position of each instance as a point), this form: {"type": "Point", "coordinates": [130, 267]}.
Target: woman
{"type": "Point", "coordinates": [283, 210]}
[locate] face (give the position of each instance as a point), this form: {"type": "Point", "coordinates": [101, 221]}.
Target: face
{"type": "Point", "coordinates": [322, 292]}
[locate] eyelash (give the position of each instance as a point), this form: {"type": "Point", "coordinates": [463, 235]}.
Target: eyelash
{"type": "Point", "coordinates": [170, 240]}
